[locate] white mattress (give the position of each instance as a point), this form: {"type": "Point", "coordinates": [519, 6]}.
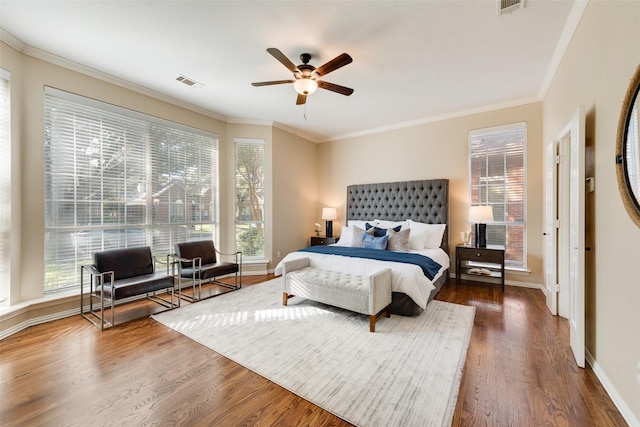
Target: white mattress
{"type": "Point", "coordinates": [405, 278]}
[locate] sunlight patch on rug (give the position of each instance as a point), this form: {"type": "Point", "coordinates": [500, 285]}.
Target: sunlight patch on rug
{"type": "Point", "coordinates": [407, 373]}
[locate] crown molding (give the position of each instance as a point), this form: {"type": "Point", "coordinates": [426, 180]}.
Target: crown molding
{"type": "Point", "coordinates": [438, 118]}
{"type": "Point", "coordinates": [11, 40]}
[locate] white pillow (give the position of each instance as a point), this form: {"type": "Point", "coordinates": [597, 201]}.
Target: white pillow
{"type": "Point", "coordinates": [417, 238]}
{"type": "Point", "coordinates": [351, 236]}
{"type": "Point", "coordinates": [346, 237]}
{"type": "Point", "coordinates": [433, 234]}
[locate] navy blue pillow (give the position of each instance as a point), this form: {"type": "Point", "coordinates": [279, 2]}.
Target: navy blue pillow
{"type": "Point", "coordinates": [372, 242]}
{"type": "Point", "coordinates": [379, 232]}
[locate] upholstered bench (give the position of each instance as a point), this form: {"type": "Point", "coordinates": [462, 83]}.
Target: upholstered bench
{"type": "Point", "coordinates": [118, 274]}
{"type": "Point", "coordinates": [369, 295]}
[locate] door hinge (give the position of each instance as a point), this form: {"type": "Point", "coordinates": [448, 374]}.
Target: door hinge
{"type": "Point", "coordinates": [556, 223]}
{"type": "Point", "coordinates": [557, 287]}
{"type": "Point", "coordinates": [558, 159]}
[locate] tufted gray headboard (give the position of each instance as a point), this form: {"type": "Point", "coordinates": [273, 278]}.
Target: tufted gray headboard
{"type": "Point", "coordinates": [423, 201]}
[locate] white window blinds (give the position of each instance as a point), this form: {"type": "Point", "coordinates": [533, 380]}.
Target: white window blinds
{"type": "Point", "coordinates": [249, 215]}
{"type": "Point", "coordinates": [498, 178]}
{"type": "Point", "coordinates": [5, 188]}
{"type": "Point", "coordinates": [115, 178]}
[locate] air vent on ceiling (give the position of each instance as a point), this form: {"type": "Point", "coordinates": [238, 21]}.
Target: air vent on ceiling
{"type": "Point", "coordinates": [189, 82]}
{"type": "Point", "coordinates": [509, 6]}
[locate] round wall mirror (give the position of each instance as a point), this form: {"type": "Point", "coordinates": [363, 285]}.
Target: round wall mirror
{"type": "Point", "coordinates": [628, 150]}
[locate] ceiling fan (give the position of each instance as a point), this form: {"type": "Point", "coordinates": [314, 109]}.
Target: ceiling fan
{"type": "Point", "coordinates": [307, 77]}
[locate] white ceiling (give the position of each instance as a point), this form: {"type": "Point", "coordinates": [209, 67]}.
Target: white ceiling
{"type": "Point", "coordinates": [413, 61]}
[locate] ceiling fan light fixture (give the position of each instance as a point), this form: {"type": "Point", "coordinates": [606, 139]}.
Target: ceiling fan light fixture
{"type": "Point", "coordinates": [305, 86]}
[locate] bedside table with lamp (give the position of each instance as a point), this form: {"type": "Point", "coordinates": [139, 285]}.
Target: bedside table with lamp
{"type": "Point", "coordinates": [481, 260]}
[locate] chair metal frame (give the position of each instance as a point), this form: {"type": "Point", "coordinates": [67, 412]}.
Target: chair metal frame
{"type": "Point", "coordinates": [99, 278]}
{"type": "Point", "coordinates": [196, 280]}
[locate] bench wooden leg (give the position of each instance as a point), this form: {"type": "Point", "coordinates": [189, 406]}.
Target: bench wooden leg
{"type": "Point", "coordinates": [285, 298]}
{"type": "Point", "coordinates": [375, 317]}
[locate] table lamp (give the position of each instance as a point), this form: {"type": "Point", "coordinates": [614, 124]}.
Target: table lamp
{"type": "Point", "coordinates": [480, 215]}
{"type": "Point", "coordinates": [329, 214]}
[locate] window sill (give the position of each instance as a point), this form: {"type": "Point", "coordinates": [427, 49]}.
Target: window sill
{"type": "Point", "coordinates": [518, 271]}
{"type": "Point", "coordinates": [51, 299]}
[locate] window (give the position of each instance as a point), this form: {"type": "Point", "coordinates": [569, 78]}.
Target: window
{"type": "Point", "coordinates": [5, 188]}
{"type": "Point", "coordinates": [498, 178]}
{"type": "Point", "coordinates": [115, 178]}
{"type": "Point", "coordinates": [250, 197]}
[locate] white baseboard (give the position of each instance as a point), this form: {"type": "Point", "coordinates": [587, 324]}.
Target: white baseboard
{"type": "Point", "coordinates": [36, 321]}
{"type": "Point", "coordinates": [622, 406]}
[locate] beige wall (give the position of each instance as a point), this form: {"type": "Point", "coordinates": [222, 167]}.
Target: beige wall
{"type": "Point", "coordinates": [595, 72]}
{"type": "Point", "coordinates": [435, 150]}
{"type": "Point", "coordinates": [295, 192]}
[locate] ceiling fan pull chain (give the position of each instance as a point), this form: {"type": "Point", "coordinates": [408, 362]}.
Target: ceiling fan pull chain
{"type": "Point", "coordinates": [305, 112]}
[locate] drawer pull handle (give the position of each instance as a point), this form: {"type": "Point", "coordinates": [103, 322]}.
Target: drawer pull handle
{"type": "Point", "coordinates": [478, 255]}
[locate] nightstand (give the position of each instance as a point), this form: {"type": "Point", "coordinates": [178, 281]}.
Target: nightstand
{"type": "Point", "coordinates": [488, 262]}
{"type": "Point", "coordinates": [323, 241]}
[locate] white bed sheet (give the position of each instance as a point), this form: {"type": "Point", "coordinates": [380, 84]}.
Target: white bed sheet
{"type": "Point", "coordinates": [405, 278]}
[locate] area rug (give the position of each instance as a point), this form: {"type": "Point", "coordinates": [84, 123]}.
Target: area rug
{"type": "Point", "coordinates": [407, 373]}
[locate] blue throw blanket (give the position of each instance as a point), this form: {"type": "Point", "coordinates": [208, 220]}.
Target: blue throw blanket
{"type": "Point", "coordinates": [428, 266]}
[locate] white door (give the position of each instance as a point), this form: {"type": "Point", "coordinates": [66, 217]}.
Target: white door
{"type": "Point", "coordinates": [550, 234]}
{"type": "Point", "coordinates": [564, 230]}
{"type": "Point", "coordinates": [577, 238]}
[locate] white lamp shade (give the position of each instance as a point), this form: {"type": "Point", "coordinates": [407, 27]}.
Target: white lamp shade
{"type": "Point", "coordinates": [480, 214]}
{"type": "Point", "coordinates": [305, 86]}
{"type": "Point", "coordinates": [329, 214]}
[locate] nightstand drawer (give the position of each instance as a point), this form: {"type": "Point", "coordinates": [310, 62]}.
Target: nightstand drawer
{"type": "Point", "coordinates": [480, 255]}
{"type": "Point", "coordinates": [319, 240]}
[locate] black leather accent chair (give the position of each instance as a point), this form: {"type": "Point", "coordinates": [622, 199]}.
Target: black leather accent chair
{"type": "Point", "coordinates": [198, 263]}
{"type": "Point", "coordinates": [123, 273]}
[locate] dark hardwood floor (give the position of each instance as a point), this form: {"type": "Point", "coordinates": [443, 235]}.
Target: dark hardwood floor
{"type": "Point", "coordinates": [519, 372]}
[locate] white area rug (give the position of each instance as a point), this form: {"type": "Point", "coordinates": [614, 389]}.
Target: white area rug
{"type": "Point", "coordinates": [407, 373]}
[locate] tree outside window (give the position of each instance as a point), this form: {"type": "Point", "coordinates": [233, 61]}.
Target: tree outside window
{"type": "Point", "coordinates": [249, 210]}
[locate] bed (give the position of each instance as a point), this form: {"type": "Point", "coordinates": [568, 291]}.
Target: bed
{"type": "Point", "coordinates": [406, 204]}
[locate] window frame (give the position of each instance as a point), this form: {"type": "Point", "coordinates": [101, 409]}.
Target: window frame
{"type": "Point", "coordinates": [241, 245]}
{"type": "Point", "coordinates": [502, 208]}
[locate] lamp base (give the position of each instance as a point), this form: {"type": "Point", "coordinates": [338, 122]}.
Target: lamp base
{"type": "Point", "coordinates": [329, 229]}
{"type": "Point", "coordinates": [481, 235]}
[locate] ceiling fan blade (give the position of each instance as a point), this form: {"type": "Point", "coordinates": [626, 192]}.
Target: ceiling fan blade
{"type": "Point", "coordinates": [334, 64]}
{"type": "Point", "coordinates": [335, 88]}
{"type": "Point", "coordinates": [283, 59]}
{"type": "Point", "coordinates": [273, 82]}
{"type": "Point", "coordinates": [301, 99]}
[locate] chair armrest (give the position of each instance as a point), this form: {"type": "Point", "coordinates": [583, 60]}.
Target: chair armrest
{"type": "Point", "coordinates": [101, 275]}
{"type": "Point", "coordinates": [237, 255]}
{"type": "Point", "coordinates": [158, 260]}
{"type": "Point", "coordinates": [195, 262]}
{"type": "Point", "coordinates": [170, 263]}
{"type": "Point", "coordinates": [91, 269]}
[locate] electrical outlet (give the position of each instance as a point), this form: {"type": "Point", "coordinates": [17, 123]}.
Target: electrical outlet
{"type": "Point", "coordinates": [278, 254]}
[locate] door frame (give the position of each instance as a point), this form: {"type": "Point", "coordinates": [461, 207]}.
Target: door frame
{"type": "Point", "coordinates": [564, 230]}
